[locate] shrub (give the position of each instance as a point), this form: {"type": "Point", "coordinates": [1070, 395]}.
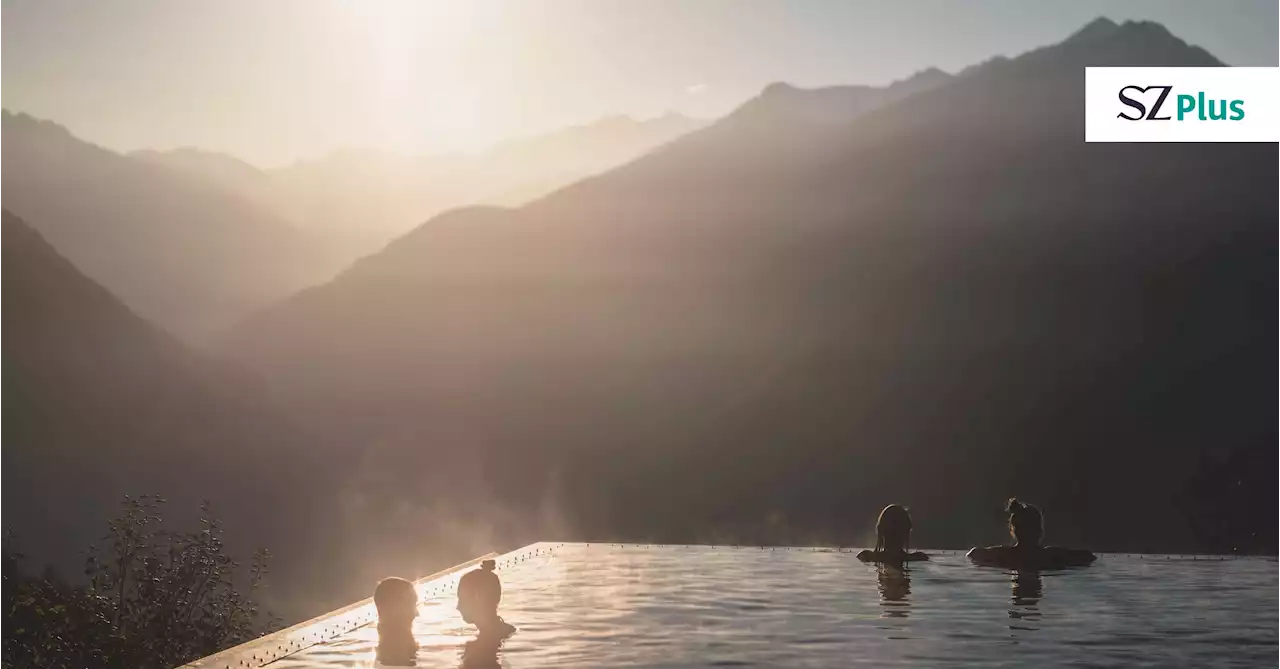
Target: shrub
{"type": "Point", "coordinates": [151, 598]}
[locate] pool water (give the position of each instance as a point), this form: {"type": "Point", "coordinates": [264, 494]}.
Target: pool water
{"type": "Point", "coordinates": [595, 605]}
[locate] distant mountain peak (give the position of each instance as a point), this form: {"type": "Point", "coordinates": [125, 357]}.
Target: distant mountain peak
{"type": "Point", "coordinates": [778, 88]}
{"type": "Point", "coordinates": [930, 73]}
{"type": "Point", "coordinates": [1103, 28]}
{"type": "Point", "coordinates": [831, 104]}
{"type": "Point", "coordinates": [671, 115]}
{"type": "Point", "coordinates": [1099, 28]}
{"type": "Point", "coordinates": [1147, 29]}
{"type": "Point", "coordinates": [1103, 43]}
{"type": "Point", "coordinates": [926, 78]}
{"type": "Point", "coordinates": [1136, 44]}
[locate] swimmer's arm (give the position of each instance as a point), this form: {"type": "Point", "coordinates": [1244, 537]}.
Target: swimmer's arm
{"type": "Point", "coordinates": [978, 554]}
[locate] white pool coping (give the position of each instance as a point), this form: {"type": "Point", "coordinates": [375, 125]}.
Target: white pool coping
{"type": "Point", "coordinates": [271, 647]}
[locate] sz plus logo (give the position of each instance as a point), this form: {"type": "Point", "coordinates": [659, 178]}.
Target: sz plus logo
{"type": "Point", "coordinates": [1181, 104]}
{"type": "Point", "coordinates": [1188, 106]}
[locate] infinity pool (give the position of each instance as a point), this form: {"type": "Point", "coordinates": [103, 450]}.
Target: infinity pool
{"type": "Point", "coordinates": [605, 605]}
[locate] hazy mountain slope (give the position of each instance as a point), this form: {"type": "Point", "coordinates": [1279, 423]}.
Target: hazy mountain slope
{"type": "Point", "coordinates": [518, 171]}
{"type": "Point", "coordinates": [365, 198]}
{"type": "Point", "coordinates": [781, 103]}
{"type": "Point", "coordinates": [229, 173]}
{"type": "Point", "coordinates": [772, 329]}
{"type": "Point", "coordinates": [354, 201]}
{"type": "Point", "coordinates": [182, 252]}
{"type": "Point", "coordinates": [99, 404]}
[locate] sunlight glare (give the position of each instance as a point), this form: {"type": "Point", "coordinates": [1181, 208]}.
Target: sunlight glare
{"type": "Point", "coordinates": [421, 59]}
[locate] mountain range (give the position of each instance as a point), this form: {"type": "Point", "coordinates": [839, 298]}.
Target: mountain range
{"type": "Point", "coordinates": [947, 298]}
{"type": "Point", "coordinates": [357, 200]}
{"type": "Point", "coordinates": [194, 240]}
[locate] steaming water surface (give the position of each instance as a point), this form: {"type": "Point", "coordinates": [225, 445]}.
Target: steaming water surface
{"type": "Point", "coordinates": [660, 606]}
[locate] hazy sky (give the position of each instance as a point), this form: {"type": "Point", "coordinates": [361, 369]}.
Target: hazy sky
{"type": "Point", "coordinates": [275, 80]}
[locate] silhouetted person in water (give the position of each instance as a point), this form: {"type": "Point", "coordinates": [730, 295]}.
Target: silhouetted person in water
{"type": "Point", "coordinates": [397, 604]}
{"type": "Point", "coordinates": [1026, 524]}
{"type": "Point", "coordinates": [479, 593]}
{"type": "Point", "coordinates": [893, 538]}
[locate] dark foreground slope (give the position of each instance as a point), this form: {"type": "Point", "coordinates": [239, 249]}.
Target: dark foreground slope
{"type": "Point", "coordinates": [99, 403]}
{"type": "Point", "coordinates": [766, 331]}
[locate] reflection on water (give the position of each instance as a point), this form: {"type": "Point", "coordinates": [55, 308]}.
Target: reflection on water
{"type": "Point", "coordinates": [396, 650]}
{"type": "Point", "coordinates": [481, 652]}
{"type": "Point", "coordinates": [695, 607]}
{"type": "Point", "coordinates": [895, 591]}
{"type": "Point", "coordinates": [1028, 588]}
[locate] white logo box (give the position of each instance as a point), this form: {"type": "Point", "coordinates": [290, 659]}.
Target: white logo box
{"type": "Point", "coordinates": [1257, 87]}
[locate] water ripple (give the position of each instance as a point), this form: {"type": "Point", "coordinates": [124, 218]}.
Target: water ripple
{"type": "Point", "coordinates": [603, 605]}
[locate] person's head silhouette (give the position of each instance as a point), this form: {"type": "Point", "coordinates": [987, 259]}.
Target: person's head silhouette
{"type": "Point", "coordinates": [1026, 523]}
{"type": "Point", "coordinates": [397, 604]}
{"type": "Point", "coordinates": [479, 593]}
{"type": "Point", "coordinates": [893, 529]}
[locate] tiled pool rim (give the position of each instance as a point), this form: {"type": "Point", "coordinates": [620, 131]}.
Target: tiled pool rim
{"type": "Point", "coordinates": [262, 651]}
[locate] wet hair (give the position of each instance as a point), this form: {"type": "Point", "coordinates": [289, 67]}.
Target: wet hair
{"type": "Point", "coordinates": [1026, 523]}
{"type": "Point", "coordinates": [893, 528]}
{"type": "Point", "coordinates": [393, 597]}
{"type": "Point", "coordinates": [488, 565]}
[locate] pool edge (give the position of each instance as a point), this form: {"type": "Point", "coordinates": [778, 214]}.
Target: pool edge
{"type": "Point", "coordinates": [266, 649]}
